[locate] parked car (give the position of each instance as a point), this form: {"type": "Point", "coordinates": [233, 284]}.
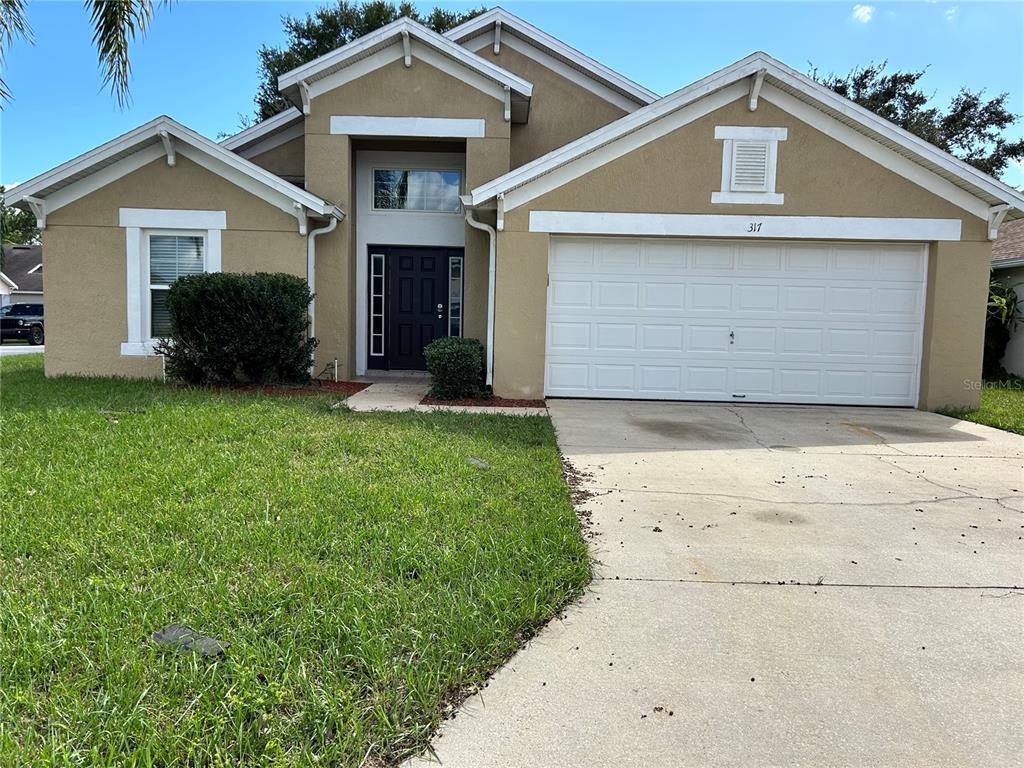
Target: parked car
{"type": "Point", "coordinates": [22, 321]}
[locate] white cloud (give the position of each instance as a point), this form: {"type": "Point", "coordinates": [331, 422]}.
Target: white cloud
{"type": "Point", "coordinates": [950, 13]}
{"type": "Point", "coordinates": [863, 13]}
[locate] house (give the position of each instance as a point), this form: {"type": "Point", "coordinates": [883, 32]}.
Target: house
{"type": "Point", "coordinates": [21, 281]}
{"type": "Point", "coordinates": [751, 237]}
{"type": "Point", "coordinates": [1008, 265]}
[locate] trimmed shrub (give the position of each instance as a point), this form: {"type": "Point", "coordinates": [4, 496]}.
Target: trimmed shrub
{"type": "Point", "coordinates": [233, 328]}
{"type": "Point", "coordinates": [456, 367]}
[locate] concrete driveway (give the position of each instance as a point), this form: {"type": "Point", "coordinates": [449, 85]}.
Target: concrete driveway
{"type": "Point", "coordinates": [779, 586]}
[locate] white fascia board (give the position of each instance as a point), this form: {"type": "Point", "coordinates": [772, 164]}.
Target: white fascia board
{"type": "Point", "coordinates": [395, 52]}
{"type": "Point", "coordinates": [607, 151]}
{"type": "Point", "coordinates": [102, 177]}
{"type": "Point", "coordinates": [753, 227]}
{"type": "Point", "coordinates": [541, 40]}
{"type": "Point", "coordinates": [84, 161]}
{"type": "Point", "coordinates": [426, 127]}
{"type": "Point", "coordinates": [272, 141]}
{"type": "Point", "coordinates": [196, 147]}
{"type": "Point", "coordinates": [879, 153]}
{"type": "Point", "coordinates": [168, 218]}
{"type": "Point", "coordinates": [262, 129]}
{"type": "Point", "coordinates": [738, 72]}
{"type": "Point", "coordinates": [417, 33]}
{"type": "Point", "coordinates": [582, 79]}
{"type": "Point", "coordinates": [893, 132]}
{"type": "Point", "coordinates": [1008, 263]}
{"type": "Point", "coordinates": [609, 133]}
{"type": "Point", "coordinates": [10, 283]}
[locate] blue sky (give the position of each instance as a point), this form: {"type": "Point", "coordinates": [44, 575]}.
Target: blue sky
{"type": "Point", "coordinates": [198, 64]}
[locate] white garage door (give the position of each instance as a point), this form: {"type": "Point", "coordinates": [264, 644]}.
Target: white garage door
{"type": "Point", "coordinates": [735, 321]}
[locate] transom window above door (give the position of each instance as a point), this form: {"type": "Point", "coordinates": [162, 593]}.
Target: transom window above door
{"type": "Point", "coordinates": [423, 190]}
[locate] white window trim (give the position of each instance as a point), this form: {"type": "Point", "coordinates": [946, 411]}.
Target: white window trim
{"type": "Point", "coordinates": [729, 135]}
{"type": "Point", "coordinates": [138, 224]}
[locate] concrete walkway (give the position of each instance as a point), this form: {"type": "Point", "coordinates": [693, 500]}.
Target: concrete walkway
{"type": "Point", "coordinates": [778, 587]}
{"type": "Point", "coordinates": [404, 394]}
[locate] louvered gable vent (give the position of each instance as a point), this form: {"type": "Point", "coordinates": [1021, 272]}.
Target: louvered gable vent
{"type": "Point", "coordinates": [750, 166]}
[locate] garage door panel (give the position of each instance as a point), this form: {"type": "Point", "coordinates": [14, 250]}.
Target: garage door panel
{"type": "Point", "coordinates": [620, 337]}
{"type": "Point", "coordinates": [661, 338]}
{"type": "Point", "coordinates": [772, 322]}
{"type": "Point", "coordinates": [663, 295]}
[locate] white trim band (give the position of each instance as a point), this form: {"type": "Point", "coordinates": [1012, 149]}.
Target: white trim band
{"type": "Point", "coordinates": [753, 227]}
{"type": "Point", "coordinates": [167, 218]}
{"type": "Point", "coordinates": [426, 127]}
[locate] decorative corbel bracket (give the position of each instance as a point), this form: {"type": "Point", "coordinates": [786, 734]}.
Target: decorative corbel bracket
{"type": "Point", "coordinates": [755, 88]}
{"type": "Point", "coordinates": [996, 214]}
{"type": "Point", "coordinates": [168, 143]}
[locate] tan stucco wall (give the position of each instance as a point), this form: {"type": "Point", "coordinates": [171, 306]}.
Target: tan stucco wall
{"type": "Point", "coordinates": [288, 159]}
{"type": "Point", "coordinates": [329, 171]}
{"type": "Point", "coordinates": [954, 328]}
{"type": "Point", "coordinates": [392, 91]}
{"type": "Point", "coordinates": [819, 176]}
{"type": "Point", "coordinates": [560, 110]}
{"type": "Point", "coordinates": [86, 312]}
{"type": "Point", "coordinates": [396, 91]}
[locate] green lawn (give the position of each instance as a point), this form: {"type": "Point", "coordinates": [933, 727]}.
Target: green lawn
{"type": "Point", "coordinates": [1002, 406]}
{"type": "Point", "coordinates": [361, 569]}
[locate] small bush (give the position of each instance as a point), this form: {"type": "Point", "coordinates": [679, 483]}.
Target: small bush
{"type": "Point", "coordinates": [232, 328]}
{"type": "Point", "coordinates": [456, 367]}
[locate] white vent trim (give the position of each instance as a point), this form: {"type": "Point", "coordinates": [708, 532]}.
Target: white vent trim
{"type": "Point", "coordinates": [750, 157]}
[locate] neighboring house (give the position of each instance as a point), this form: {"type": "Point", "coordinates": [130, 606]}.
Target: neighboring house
{"type": "Point", "coordinates": [750, 237]}
{"type": "Point", "coordinates": [23, 271]}
{"type": "Point", "coordinates": [1008, 265]}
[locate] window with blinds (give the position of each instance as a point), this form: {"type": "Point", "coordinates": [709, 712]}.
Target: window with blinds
{"type": "Point", "coordinates": [170, 257]}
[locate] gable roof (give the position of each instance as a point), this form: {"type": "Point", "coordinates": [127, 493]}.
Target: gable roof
{"type": "Point", "coordinates": [291, 83]}
{"type": "Point", "coordinates": [7, 281]}
{"type": "Point", "coordinates": [20, 263]}
{"type": "Point", "coordinates": [263, 130]}
{"type": "Point", "coordinates": [983, 189]}
{"type": "Point", "coordinates": [1008, 249]}
{"type": "Point", "coordinates": [102, 165]}
{"type": "Point", "coordinates": [485, 24]}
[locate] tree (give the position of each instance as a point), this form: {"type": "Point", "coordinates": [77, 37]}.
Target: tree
{"type": "Point", "coordinates": [115, 23]}
{"type": "Point", "coordinates": [330, 27]}
{"type": "Point", "coordinates": [971, 127]}
{"type": "Point", "coordinates": [17, 226]}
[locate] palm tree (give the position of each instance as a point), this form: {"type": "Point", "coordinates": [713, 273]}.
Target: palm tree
{"type": "Point", "coordinates": [116, 23]}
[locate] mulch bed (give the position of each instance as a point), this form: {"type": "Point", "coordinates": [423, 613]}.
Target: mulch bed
{"type": "Point", "coordinates": [485, 402]}
{"type": "Point", "coordinates": [314, 388]}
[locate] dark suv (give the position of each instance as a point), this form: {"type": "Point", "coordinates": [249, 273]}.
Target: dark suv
{"type": "Point", "coordinates": [22, 321]}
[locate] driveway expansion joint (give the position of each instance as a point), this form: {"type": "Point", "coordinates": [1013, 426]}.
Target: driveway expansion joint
{"type": "Point", "coordinates": [793, 583]}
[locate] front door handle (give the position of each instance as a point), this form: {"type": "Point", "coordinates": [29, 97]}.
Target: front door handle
{"type": "Point", "coordinates": [440, 311]}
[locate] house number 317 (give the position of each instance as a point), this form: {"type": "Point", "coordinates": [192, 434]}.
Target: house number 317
{"type": "Point", "coordinates": [755, 226]}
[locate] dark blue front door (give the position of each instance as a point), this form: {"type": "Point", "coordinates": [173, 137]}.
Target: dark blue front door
{"type": "Point", "coordinates": [411, 300]}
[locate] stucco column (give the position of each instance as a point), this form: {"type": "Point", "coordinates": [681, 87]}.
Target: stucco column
{"type": "Point", "coordinates": [329, 174]}
{"type": "Point", "coordinates": [520, 314]}
{"type": "Point", "coordinates": [954, 330]}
